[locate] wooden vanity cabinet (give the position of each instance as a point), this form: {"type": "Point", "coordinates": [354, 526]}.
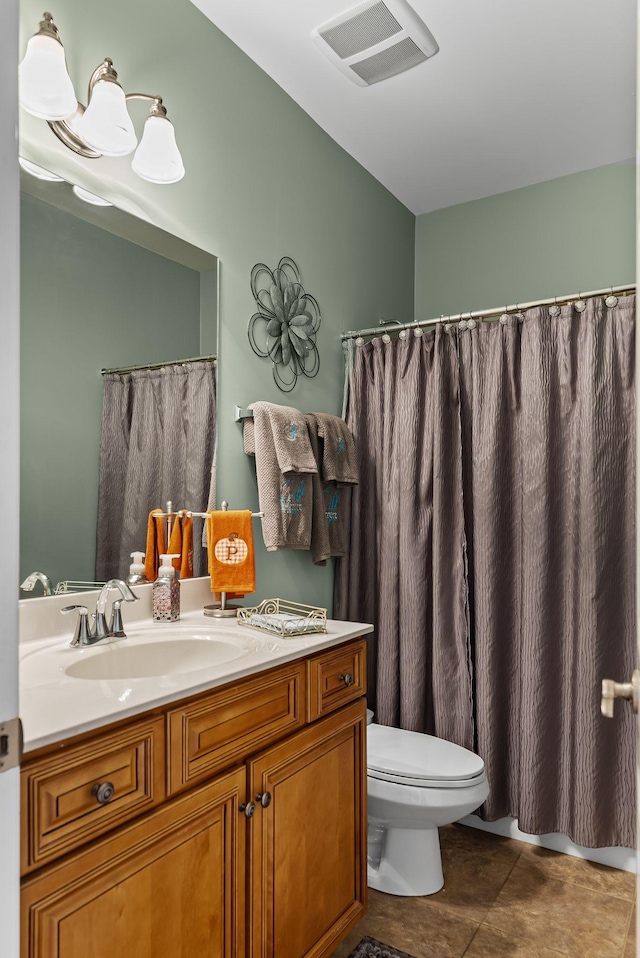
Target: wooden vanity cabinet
{"type": "Point", "coordinates": [264, 859]}
{"type": "Point", "coordinates": [171, 884]}
{"type": "Point", "coordinates": [307, 847]}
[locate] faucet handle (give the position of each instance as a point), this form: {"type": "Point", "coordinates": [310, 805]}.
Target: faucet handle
{"type": "Point", "coordinates": [117, 628]}
{"type": "Point", "coordinates": [82, 634]}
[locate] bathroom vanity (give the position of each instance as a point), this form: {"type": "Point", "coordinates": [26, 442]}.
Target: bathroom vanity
{"type": "Point", "coordinates": [229, 822]}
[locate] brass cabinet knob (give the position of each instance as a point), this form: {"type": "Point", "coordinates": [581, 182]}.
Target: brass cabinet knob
{"type": "Point", "coordinates": [347, 678]}
{"type": "Point", "coordinates": [248, 808]}
{"type": "Point", "coordinates": [264, 798]}
{"type": "Point", "coordinates": [104, 792]}
{"type": "Point", "coordinates": [620, 690]}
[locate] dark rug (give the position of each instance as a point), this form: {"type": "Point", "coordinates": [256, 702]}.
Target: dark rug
{"type": "Point", "coordinates": [370, 948]}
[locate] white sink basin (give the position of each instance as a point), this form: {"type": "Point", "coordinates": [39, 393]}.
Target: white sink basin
{"type": "Point", "coordinates": [167, 657]}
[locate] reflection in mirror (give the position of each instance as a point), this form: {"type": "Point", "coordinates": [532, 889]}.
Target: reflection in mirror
{"type": "Point", "coordinates": [103, 291]}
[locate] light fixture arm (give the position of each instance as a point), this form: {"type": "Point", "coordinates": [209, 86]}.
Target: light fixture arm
{"type": "Point", "coordinates": [104, 71]}
{"type": "Point", "coordinates": [157, 108]}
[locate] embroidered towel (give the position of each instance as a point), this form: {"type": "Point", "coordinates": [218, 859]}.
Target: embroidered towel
{"type": "Point", "coordinates": [289, 436]}
{"type": "Point", "coordinates": [327, 530]}
{"type": "Point", "coordinates": [156, 544]}
{"type": "Point", "coordinates": [339, 451]}
{"type": "Point", "coordinates": [231, 553]}
{"type": "Point", "coordinates": [285, 496]}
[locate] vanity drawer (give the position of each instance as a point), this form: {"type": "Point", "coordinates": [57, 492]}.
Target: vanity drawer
{"type": "Point", "coordinates": [336, 677]}
{"type": "Point", "coordinates": [60, 806]}
{"type": "Point", "coordinates": [221, 728]}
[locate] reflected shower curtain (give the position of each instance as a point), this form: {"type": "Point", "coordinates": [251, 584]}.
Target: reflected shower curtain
{"type": "Point", "coordinates": [157, 443]}
{"type": "Point", "coordinates": [547, 430]}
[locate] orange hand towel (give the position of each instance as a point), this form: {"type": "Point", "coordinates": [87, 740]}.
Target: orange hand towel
{"type": "Point", "coordinates": [232, 565]}
{"type": "Point", "coordinates": [181, 543]}
{"type": "Point", "coordinates": [156, 544]}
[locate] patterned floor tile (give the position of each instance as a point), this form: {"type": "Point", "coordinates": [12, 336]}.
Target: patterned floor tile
{"type": "Point", "coordinates": [491, 943]}
{"type": "Point", "coordinates": [570, 918]}
{"type": "Point", "coordinates": [458, 840]}
{"type": "Point", "coordinates": [609, 881]}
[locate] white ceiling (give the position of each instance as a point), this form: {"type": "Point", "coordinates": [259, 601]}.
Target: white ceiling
{"type": "Point", "coordinates": [521, 91]}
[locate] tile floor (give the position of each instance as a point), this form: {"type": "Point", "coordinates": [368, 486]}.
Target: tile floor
{"type": "Point", "coordinates": [505, 898]}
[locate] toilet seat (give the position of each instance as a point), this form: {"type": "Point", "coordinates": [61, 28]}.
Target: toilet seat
{"type": "Point", "coordinates": [422, 761]}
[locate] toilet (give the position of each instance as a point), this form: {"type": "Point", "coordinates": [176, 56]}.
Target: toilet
{"type": "Point", "coordinates": [415, 783]}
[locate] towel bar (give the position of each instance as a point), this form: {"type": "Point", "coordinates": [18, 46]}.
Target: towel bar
{"type": "Point", "coordinates": [239, 414]}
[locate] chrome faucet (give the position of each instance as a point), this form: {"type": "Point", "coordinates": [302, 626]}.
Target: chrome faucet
{"type": "Point", "coordinates": [84, 635]}
{"type": "Point", "coordinates": [31, 580]}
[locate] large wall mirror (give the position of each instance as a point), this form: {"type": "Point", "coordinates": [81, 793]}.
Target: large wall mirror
{"type": "Point", "coordinates": [104, 290]}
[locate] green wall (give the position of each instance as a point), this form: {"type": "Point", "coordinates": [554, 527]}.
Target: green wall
{"type": "Point", "coordinates": [263, 181]}
{"type": "Point", "coordinates": [565, 235]}
{"type": "Point", "coordinates": [89, 300]}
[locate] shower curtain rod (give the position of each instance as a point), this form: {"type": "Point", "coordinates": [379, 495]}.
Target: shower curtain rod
{"type": "Point", "coordinates": [174, 362]}
{"type": "Point", "coordinates": [485, 313]}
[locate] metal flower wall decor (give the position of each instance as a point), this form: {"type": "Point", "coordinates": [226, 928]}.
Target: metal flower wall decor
{"type": "Point", "coordinates": [285, 326]}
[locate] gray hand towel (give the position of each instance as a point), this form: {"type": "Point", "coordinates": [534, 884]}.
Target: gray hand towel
{"type": "Point", "coordinates": [327, 531]}
{"type": "Point", "coordinates": [285, 496]}
{"type": "Point", "coordinates": [289, 434]}
{"type": "Point", "coordinates": [339, 451]}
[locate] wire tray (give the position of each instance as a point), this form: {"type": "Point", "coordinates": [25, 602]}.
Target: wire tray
{"type": "Point", "coordinates": [284, 618]}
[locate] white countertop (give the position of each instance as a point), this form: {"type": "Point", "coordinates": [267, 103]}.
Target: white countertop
{"type": "Point", "coordinates": [55, 705]}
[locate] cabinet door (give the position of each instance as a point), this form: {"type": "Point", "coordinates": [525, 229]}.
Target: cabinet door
{"type": "Point", "coordinates": [170, 885]}
{"type": "Point", "coordinates": [307, 854]}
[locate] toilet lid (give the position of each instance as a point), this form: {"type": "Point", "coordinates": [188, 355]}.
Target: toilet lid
{"type": "Point", "coordinates": [396, 753]}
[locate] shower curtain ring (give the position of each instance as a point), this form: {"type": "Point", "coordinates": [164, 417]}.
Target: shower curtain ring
{"type": "Point", "coordinates": [504, 319]}
{"type": "Point", "coordinates": [611, 300]}
{"type": "Point", "coordinates": [471, 323]}
{"type": "Point", "coordinates": [580, 304]}
{"type": "Point", "coordinates": [417, 330]}
{"type": "Point", "coordinates": [555, 310]}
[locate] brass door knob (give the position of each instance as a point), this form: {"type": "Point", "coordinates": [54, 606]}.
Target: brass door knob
{"type": "Point", "coordinates": [620, 690]}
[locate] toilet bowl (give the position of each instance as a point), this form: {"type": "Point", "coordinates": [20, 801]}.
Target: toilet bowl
{"type": "Point", "coordinates": [415, 783]}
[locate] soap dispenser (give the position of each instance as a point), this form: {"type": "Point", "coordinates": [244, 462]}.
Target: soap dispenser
{"type": "Point", "coordinates": [166, 591]}
{"type": "Point", "coordinates": [136, 569]}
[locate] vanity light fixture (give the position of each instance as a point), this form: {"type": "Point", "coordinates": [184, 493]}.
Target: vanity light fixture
{"type": "Point", "coordinates": [89, 197]}
{"type": "Point", "coordinates": [103, 127]}
{"type": "Point", "coordinates": [39, 171]}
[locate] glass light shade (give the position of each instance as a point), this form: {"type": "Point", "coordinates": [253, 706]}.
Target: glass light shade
{"type": "Point", "coordinates": [106, 125]}
{"type": "Point", "coordinates": [158, 158]}
{"type": "Point", "coordinates": [39, 171]}
{"type": "Point", "coordinates": [46, 90]}
{"type": "Point", "coordinates": [88, 197]}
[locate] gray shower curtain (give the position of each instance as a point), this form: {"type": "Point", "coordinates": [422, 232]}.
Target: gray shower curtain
{"type": "Point", "coordinates": [547, 485]}
{"type": "Point", "coordinates": [406, 530]}
{"type": "Point", "coordinates": [157, 443]}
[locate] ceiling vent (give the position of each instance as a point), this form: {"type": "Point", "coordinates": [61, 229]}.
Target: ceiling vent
{"type": "Point", "coordinates": [376, 40]}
